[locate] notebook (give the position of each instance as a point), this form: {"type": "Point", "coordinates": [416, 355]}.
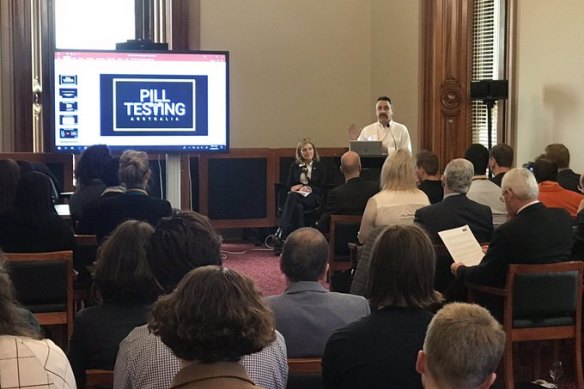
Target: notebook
{"type": "Point", "coordinates": [366, 147]}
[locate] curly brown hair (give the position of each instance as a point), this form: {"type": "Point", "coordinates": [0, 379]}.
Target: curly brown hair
{"type": "Point", "coordinates": [213, 315]}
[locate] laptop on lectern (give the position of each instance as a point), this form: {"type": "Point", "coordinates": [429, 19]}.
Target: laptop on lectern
{"type": "Point", "coordinates": [366, 147]}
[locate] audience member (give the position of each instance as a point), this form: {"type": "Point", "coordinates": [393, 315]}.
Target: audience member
{"type": "Point", "coordinates": [379, 351]}
{"type": "Point", "coordinates": [307, 314]}
{"type": "Point", "coordinates": [456, 210]}
{"type": "Point", "coordinates": [560, 154]}
{"type": "Point", "coordinates": [32, 223]}
{"type": "Point", "coordinates": [535, 234]}
{"type": "Point", "coordinates": [9, 175]}
{"type": "Point", "coordinates": [551, 194]}
{"type": "Point", "coordinates": [399, 197]}
{"type": "Point", "coordinates": [305, 185]}
{"type": "Point", "coordinates": [392, 134]}
{"type": "Point", "coordinates": [500, 161]}
{"type": "Point", "coordinates": [361, 273]}
{"type": "Point", "coordinates": [127, 287]}
{"type": "Point", "coordinates": [429, 181]}
{"type": "Point", "coordinates": [135, 203]}
{"type": "Point", "coordinates": [27, 361]}
{"type": "Point", "coordinates": [462, 349]}
{"type": "Point", "coordinates": [578, 248]}
{"type": "Point", "coordinates": [88, 177]}
{"type": "Point", "coordinates": [482, 190]}
{"type": "Point", "coordinates": [351, 197]}
{"type": "Point", "coordinates": [213, 318]}
{"type": "Point", "coordinates": [179, 244]}
{"type": "Point", "coordinates": [87, 223]}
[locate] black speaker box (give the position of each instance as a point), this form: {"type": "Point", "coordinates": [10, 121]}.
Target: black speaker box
{"type": "Point", "coordinates": [489, 89]}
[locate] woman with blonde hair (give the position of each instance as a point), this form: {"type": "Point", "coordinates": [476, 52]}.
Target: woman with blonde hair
{"type": "Point", "coordinates": [305, 184]}
{"type": "Point", "coordinates": [399, 197]}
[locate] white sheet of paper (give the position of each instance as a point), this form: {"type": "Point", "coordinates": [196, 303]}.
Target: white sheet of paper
{"type": "Point", "coordinates": [462, 245]}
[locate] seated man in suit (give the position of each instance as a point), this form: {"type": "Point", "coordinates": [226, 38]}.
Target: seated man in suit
{"type": "Point", "coordinates": [560, 154]}
{"type": "Point", "coordinates": [429, 182]}
{"type": "Point", "coordinates": [456, 209]}
{"type": "Point", "coordinates": [462, 349]}
{"type": "Point", "coordinates": [500, 161]}
{"type": "Point", "coordinates": [306, 313]}
{"type": "Point", "coordinates": [534, 235]}
{"type": "Point", "coordinates": [351, 197]}
{"type": "Point", "coordinates": [551, 193]}
{"type": "Point", "coordinates": [482, 190]}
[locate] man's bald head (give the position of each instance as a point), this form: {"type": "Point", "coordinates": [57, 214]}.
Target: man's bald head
{"type": "Point", "coordinates": [304, 255]}
{"type": "Point", "coordinates": [350, 164]}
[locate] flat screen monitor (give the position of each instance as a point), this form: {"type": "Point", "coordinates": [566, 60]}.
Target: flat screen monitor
{"type": "Point", "coordinates": [152, 101]}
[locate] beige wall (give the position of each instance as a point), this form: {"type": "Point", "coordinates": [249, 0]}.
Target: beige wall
{"type": "Point", "coordinates": [550, 80]}
{"type": "Point", "coordinates": [310, 68]}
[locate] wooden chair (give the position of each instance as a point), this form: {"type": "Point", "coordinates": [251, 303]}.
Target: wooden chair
{"type": "Point", "coordinates": [305, 373]}
{"type": "Point", "coordinates": [44, 284]}
{"type": "Point", "coordinates": [99, 379]}
{"type": "Point", "coordinates": [343, 231]}
{"type": "Point", "coordinates": [540, 302]}
{"type": "Point", "coordinates": [84, 256]}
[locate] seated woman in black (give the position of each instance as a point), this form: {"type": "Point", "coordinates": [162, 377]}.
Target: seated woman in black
{"type": "Point", "coordinates": [380, 350]}
{"type": "Point", "coordinates": [306, 179]}
{"type": "Point", "coordinates": [126, 285]}
{"type": "Point", "coordinates": [32, 223]}
{"type": "Point", "coordinates": [135, 203]}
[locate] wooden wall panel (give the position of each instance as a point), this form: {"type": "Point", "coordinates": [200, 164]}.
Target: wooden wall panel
{"type": "Point", "coordinates": [445, 77]}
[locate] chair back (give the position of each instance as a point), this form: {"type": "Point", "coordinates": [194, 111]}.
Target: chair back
{"type": "Point", "coordinates": [343, 230]}
{"type": "Point", "coordinates": [543, 302]}
{"type": "Point", "coordinates": [99, 379]}
{"type": "Point", "coordinates": [304, 373]}
{"type": "Point", "coordinates": [44, 284]}
{"type": "Point", "coordinates": [544, 295]}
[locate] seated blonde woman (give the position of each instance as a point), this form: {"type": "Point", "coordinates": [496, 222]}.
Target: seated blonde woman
{"type": "Point", "coordinates": [399, 197]}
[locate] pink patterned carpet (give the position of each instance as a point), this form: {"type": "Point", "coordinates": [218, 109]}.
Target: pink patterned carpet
{"type": "Point", "coordinates": [258, 263]}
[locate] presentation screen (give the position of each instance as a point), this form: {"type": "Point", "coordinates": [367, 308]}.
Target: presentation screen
{"type": "Point", "coordinates": [151, 101]}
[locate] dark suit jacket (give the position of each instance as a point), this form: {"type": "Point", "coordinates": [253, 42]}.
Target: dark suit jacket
{"type": "Point", "coordinates": [317, 179]}
{"type": "Point", "coordinates": [456, 211]}
{"type": "Point", "coordinates": [536, 235]}
{"type": "Point", "coordinates": [578, 248]}
{"type": "Point", "coordinates": [347, 199]}
{"type": "Point", "coordinates": [433, 189]}
{"type": "Point", "coordinates": [569, 180]}
{"type": "Point", "coordinates": [130, 205]}
{"type": "Point", "coordinates": [498, 179]}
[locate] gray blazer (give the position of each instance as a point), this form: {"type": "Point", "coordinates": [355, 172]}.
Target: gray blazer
{"type": "Point", "coordinates": [307, 314]}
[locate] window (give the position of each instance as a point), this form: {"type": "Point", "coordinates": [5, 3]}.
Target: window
{"type": "Point", "coordinates": [90, 24]}
{"type": "Point", "coordinates": [487, 52]}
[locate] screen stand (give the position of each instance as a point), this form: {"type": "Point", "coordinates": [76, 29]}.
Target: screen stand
{"type": "Point", "coordinates": [173, 179]}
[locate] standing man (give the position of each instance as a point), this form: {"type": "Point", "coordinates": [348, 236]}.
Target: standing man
{"type": "Point", "coordinates": [306, 313]}
{"type": "Point", "coordinates": [500, 161]}
{"type": "Point", "coordinates": [393, 135]}
{"type": "Point", "coordinates": [351, 197]}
